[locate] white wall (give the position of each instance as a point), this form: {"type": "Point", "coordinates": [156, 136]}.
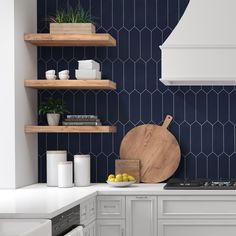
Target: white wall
{"type": "Point", "coordinates": [19, 62]}
{"type": "Point", "coordinates": [7, 99]}
{"type": "Point", "coordinates": [26, 146]}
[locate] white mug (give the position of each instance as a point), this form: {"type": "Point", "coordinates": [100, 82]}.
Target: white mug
{"type": "Point", "coordinates": [64, 72]}
{"type": "Point", "coordinates": [50, 72]}
{"type": "Point", "coordinates": [51, 77]}
{"type": "Point", "coordinates": [64, 77]}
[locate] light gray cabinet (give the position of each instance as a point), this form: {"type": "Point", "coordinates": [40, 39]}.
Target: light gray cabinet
{"type": "Point", "coordinates": [110, 227]}
{"type": "Point", "coordinates": [196, 215]}
{"type": "Point", "coordinates": [141, 216]}
{"type": "Point", "coordinates": [196, 227]}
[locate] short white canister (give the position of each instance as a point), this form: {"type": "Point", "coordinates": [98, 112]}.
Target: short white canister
{"type": "Point", "coordinates": [65, 174]}
{"type": "Point", "coordinates": [53, 159]}
{"type": "Point", "coordinates": [82, 170]}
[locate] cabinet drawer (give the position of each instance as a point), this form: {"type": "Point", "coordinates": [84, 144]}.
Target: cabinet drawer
{"type": "Point", "coordinates": [196, 227]}
{"type": "Point", "coordinates": [196, 207]}
{"type": "Point", "coordinates": [110, 207]}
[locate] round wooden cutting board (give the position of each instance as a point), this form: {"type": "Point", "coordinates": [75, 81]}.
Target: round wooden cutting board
{"type": "Point", "coordinates": [155, 147]}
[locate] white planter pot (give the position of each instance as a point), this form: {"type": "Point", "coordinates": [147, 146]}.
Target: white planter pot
{"type": "Point", "coordinates": [53, 119]}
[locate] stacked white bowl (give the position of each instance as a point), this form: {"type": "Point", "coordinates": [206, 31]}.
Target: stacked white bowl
{"type": "Point", "coordinates": [88, 70]}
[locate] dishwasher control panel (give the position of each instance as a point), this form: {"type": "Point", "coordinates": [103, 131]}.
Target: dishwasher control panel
{"type": "Point", "coordinates": [66, 221]}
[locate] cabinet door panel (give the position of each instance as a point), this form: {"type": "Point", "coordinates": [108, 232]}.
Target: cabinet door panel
{"type": "Point", "coordinates": [84, 212]}
{"type": "Point", "coordinates": [92, 209]}
{"type": "Point", "coordinates": [141, 216]}
{"type": "Point", "coordinates": [197, 228]}
{"type": "Point", "coordinates": [110, 228]}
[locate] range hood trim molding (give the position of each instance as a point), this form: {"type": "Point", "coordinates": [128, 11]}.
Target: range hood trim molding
{"type": "Point", "coordinates": [207, 46]}
{"type": "Point", "coordinates": [199, 81]}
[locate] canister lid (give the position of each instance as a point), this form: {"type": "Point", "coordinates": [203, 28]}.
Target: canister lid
{"type": "Point", "coordinates": [82, 156]}
{"type": "Point", "coordinates": [56, 152]}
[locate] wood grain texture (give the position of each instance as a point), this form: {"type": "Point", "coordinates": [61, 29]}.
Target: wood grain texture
{"type": "Point", "coordinates": [63, 40]}
{"type": "Point", "coordinates": [71, 84]}
{"type": "Point", "coordinates": [131, 167]}
{"type": "Point", "coordinates": [156, 148]}
{"type": "Point", "coordinates": [72, 28]}
{"type": "Point", "coordinates": [69, 129]}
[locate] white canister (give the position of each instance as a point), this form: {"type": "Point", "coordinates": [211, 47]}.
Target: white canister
{"type": "Point", "coordinates": [53, 159]}
{"type": "Point", "coordinates": [65, 174]}
{"type": "Point", "coordinates": [82, 170]}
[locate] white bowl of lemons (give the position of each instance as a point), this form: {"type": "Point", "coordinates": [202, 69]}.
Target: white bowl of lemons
{"type": "Point", "coordinates": [120, 180]}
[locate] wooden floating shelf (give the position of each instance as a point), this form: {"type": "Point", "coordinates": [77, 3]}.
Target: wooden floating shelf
{"type": "Point", "coordinates": [69, 129]}
{"type": "Point", "coordinates": [71, 84]}
{"type": "Point", "coordinates": [63, 40]}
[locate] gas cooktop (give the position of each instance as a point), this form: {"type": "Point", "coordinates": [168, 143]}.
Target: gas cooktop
{"type": "Point", "coordinates": [178, 184]}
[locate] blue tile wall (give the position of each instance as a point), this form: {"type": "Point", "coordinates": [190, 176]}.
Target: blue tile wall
{"type": "Point", "coordinates": [204, 117]}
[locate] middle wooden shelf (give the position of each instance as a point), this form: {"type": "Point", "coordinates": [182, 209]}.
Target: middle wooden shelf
{"type": "Point", "coordinates": [71, 84]}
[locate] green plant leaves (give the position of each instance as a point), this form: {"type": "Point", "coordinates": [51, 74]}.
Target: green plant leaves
{"type": "Point", "coordinates": [52, 105]}
{"type": "Point", "coordinates": [77, 15]}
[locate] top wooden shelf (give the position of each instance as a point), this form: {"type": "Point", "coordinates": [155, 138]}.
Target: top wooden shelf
{"type": "Point", "coordinates": [71, 84]}
{"type": "Point", "coordinates": [63, 40]}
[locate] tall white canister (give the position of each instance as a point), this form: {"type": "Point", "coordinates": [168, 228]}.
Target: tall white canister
{"type": "Point", "coordinates": [53, 159]}
{"type": "Point", "coordinates": [82, 170]}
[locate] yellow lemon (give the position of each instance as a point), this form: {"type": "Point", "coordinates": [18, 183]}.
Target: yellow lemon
{"type": "Point", "coordinates": [111, 179]}
{"type": "Point", "coordinates": [125, 175]}
{"type": "Point", "coordinates": [119, 176]}
{"type": "Point", "coordinates": [111, 176]}
{"type": "Point", "coordinates": [125, 178]}
{"type": "Point", "coordinates": [117, 180]}
{"type": "Point", "coordinates": [131, 178]}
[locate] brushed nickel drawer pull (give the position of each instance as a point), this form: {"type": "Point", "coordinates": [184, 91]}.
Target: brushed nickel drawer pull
{"type": "Point", "coordinates": [141, 197]}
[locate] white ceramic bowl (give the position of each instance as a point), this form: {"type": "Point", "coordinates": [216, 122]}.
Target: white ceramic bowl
{"type": "Point", "coordinates": [64, 77]}
{"type": "Point", "coordinates": [50, 72]}
{"type": "Point", "coordinates": [51, 77]}
{"type": "Point", "coordinates": [64, 72]}
{"type": "Point", "coordinates": [121, 184]}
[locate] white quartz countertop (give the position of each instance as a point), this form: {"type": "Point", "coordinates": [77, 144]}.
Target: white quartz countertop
{"type": "Point", "coordinates": [40, 201]}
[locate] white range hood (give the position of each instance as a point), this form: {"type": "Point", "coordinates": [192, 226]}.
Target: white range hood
{"type": "Point", "coordinates": [202, 48]}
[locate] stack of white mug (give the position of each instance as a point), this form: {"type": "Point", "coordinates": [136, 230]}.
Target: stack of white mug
{"type": "Point", "coordinates": [88, 70]}
{"type": "Point", "coordinates": [51, 75]}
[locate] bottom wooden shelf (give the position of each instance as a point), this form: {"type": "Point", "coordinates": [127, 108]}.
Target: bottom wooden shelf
{"type": "Point", "coordinates": [69, 129]}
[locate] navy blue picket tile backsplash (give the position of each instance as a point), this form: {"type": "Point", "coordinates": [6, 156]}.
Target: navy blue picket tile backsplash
{"type": "Point", "coordinates": [204, 117]}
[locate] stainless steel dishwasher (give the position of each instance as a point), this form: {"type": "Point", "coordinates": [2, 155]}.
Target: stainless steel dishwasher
{"type": "Point", "coordinates": [66, 221]}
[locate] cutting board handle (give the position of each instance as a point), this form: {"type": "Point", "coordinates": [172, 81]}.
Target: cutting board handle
{"type": "Point", "coordinates": [167, 121]}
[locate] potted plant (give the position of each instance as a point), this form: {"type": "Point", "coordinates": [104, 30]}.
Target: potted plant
{"type": "Point", "coordinates": [53, 108]}
{"type": "Point", "coordinates": [74, 21]}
